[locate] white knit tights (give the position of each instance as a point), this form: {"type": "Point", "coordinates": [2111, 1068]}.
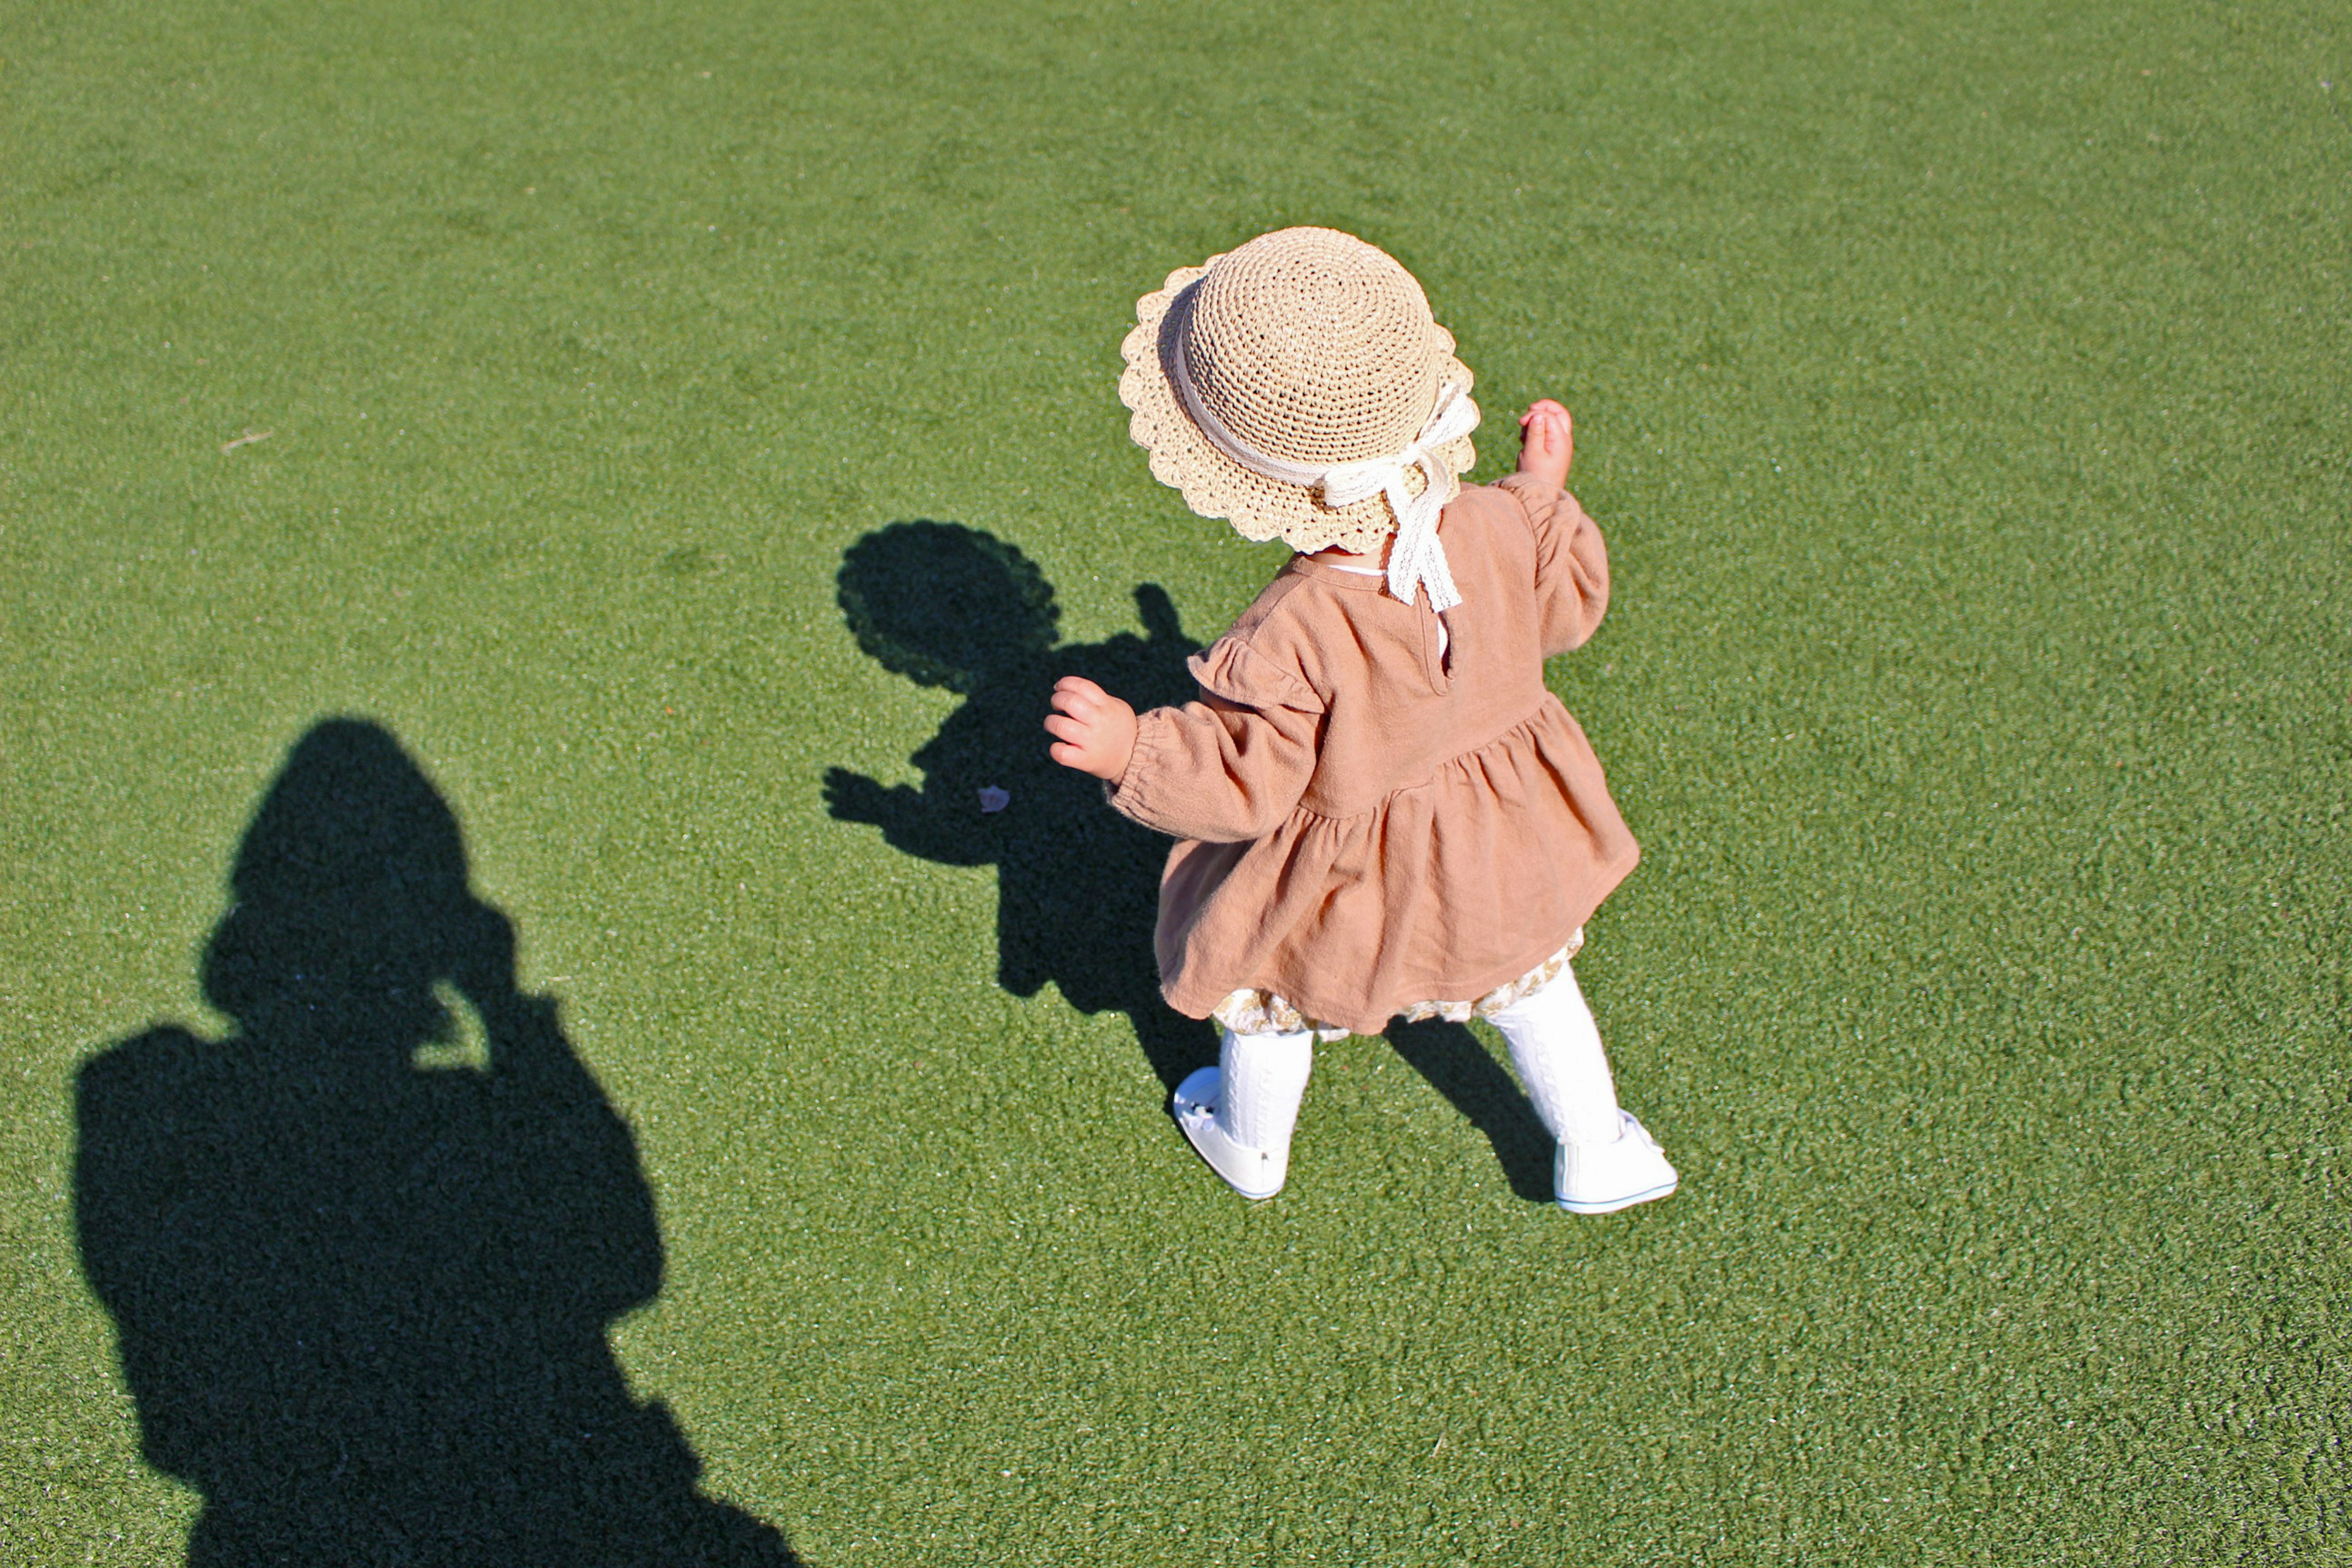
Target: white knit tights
{"type": "Point", "coordinates": [1265, 1078]}
{"type": "Point", "coordinates": [1555, 1046]}
{"type": "Point", "coordinates": [1554, 1042]}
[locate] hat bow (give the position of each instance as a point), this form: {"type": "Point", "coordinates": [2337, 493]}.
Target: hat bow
{"type": "Point", "coordinates": [1416, 560]}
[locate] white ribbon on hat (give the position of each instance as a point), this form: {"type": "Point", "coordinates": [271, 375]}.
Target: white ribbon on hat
{"type": "Point", "coordinates": [1417, 560]}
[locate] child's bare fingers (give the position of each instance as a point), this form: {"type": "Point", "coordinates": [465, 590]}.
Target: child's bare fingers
{"type": "Point", "coordinates": [1072, 730]}
{"type": "Point", "coordinates": [1080, 703]}
{"type": "Point", "coordinates": [1079, 683]}
{"type": "Point", "coordinates": [1069, 756]}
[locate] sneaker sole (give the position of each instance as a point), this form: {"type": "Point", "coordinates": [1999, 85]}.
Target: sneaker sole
{"type": "Point", "coordinates": [1611, 1205]}
{"type": "Point", "coordinates": [1255, 1197]}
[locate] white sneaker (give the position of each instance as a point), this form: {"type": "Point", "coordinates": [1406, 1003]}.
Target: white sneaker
{"type": "Point", "coordinates": [1252, 1172]}
{"type": "Point", "coordinates": [1601, 1178]}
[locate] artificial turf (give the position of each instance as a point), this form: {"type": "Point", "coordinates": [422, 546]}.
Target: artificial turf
{"type": "Point", "coordinates": [1961, 390]}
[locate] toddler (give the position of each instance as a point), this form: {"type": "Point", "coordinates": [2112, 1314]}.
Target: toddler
{"type": "Point", "coordinates": [1381, 809]}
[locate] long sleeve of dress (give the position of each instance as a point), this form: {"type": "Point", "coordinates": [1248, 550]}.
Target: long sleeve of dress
{"type": "Point", "coordinates": [1232, 766]}
{"type": "Point", "coordinates": [1571, 562]}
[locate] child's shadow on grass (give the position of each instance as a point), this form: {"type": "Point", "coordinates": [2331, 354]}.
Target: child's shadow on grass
{"type": "Point", "coordinates": [361, 1268]}
{"type": "Point", "coordinates": [1451, 1058]}
{"type": "Point", "coordinates": [1078, 885]}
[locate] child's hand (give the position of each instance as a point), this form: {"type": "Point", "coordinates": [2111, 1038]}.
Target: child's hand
{"type": "Point", "coordinates": [1092, 730]}
{"type": "Point", "coordinates": [1548, 441]}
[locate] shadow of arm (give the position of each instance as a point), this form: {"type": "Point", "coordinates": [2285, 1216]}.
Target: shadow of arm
{"type": "Point", "coordinates": [140, 1244]}
{"type": "Point", "coordinates": [593, 1210]}
{"type": "Point", "coordinates": [914, 822]}
{"type": "Point", "coordinates": [1160, 622]}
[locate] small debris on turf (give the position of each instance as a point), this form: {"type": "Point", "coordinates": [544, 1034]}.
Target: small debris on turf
{"type": "Point", "coordinates": [992, 799]}
{"type": "Point", "coordinates": [246, 441]}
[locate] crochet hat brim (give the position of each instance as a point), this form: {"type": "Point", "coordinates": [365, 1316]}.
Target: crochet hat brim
{"type": "Point", "coordinates": [1215, 486]}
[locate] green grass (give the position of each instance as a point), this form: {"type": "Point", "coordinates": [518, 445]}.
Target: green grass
{"type": "Point", "coordinates": [1962, 390]}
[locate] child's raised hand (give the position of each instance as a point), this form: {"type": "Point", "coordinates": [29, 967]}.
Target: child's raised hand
{"type": "Point", "coordinates": [1092, 730]}
{"type": "Point", "coordinates": [1548, 441]}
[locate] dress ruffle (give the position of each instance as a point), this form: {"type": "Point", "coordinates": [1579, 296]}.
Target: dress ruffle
{"type": "Point", "coordinates": [1469, 879]}
{"type": "Point", "coordinates": [1238, 672]}
{"type": "Point", "coordinates": [1253, 1011]}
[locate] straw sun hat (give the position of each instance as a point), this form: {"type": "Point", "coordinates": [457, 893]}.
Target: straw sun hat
{"type": "Point", "coordinates": [1298, 387]}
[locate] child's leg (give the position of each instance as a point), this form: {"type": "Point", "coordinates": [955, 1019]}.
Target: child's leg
{"type": "Point", "coordinates": [1239, 1114]}
{"type": "Point", "coordinates": [1606, 1159]}
{"type": "Point", "coordinates": [1265, 1079]}
{"type": "Point", "coordinates": [1555, 1046]}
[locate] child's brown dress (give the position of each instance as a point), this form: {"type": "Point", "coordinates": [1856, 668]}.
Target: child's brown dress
{"type": "Point", "coordinates": [1366, 824]}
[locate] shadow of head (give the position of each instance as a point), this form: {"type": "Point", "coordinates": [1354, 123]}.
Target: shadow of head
{"type": "Point", "coordinates": [351, 885]}
{"type": "Point", "coordinates": [945, 605]}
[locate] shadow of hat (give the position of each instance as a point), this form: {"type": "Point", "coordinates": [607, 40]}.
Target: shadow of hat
{"type": "Point", "coordinates": [945, 605]}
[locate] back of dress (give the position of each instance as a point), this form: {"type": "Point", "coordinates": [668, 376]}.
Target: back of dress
{"type": "Point", "coordinates": [1407, 689]}
{"type": "Point", "coordinates": [1372, 823]}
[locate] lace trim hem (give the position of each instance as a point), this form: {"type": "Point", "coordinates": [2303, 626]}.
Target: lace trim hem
{"type": "Point", "coordinates": [1252, 1011]}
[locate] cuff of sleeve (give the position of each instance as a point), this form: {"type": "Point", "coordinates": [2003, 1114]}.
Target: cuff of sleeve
{"type": "Point", "coordinates": [1552, 510]}
{"type": "Point", "coordinates": [1130, 794]}
{"type": "Point", "coordinates": [1529, 490]}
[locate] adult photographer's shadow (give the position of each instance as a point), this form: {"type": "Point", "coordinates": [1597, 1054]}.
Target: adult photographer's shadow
{"type": "Point", "coordinates": [361, 1289]}
{"type": "Point", "coordinates": [1077, 884]}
